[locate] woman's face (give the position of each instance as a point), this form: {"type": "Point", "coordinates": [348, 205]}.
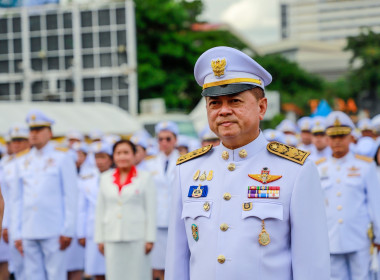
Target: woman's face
{"type": "Point", "coordinates": [378, 156]}
{"type": "Point", "coordinates": [123, 156]}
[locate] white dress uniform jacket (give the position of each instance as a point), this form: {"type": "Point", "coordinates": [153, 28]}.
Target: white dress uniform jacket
{"type": "Point", "coordinates": [228, 245]}
{"type": "Point", "coordinates": [46, 195]}
{"type": "Point", "coordinates": [352, 192]}
{"type": "Point", "coordinates": [127, 216]}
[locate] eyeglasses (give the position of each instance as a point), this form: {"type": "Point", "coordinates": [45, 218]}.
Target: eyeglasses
{"type": "Point", "coordinates": [168, 139]}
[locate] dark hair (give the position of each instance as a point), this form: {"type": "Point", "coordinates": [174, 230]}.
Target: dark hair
{"type": "Point", "coordinates": [124, 142]}
{"type": "Point", "coordinates": [258, 92]}
{"type": "Point", "coordinates": [375, 157]}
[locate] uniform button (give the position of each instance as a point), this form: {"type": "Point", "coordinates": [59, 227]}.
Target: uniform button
{"type": "Point", "coordinates": [206, 206]}
{"type": "Point", "coordinates": [227, 196]}
{"type": "Point", "coordinates": [221, 259]}
{"type": "Point", "coordinates": [340, 221]}
{"type": "Point", "coordinates": [119, 216]}
{"type": "Point", "coordinates": [338, 168]}
{"type": "Point", "coordinates": [243, 153]}
{"type": "Point", "coordinates": [225, 155]}
{"type": "Point", "coordinates": [338, 194]}
{"type": "Point", "coordinates": [231, 167]}
{"type": "Point", "coordinates": [224, 227]}
{"type": "Point", "coordinates": [339, 207]}
{"type": "Point", "coordinates": [338, 181]}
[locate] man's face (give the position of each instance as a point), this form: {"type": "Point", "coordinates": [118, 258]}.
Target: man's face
{"type": "Point", "coordinates": [103, 161]}
{"type": "Point", "coordinates": [306, 137]}
{"type": "Point", "coordinates": [340, 145]}
{"type": "Point", "coordinates": [235, 118]}
{"type": "Point", "coordinates": [39, 137]}
{"type": "Point", "coordinates": [81, 158]}
{"type": "Point", "coordinates": [166, 141]}
{"type": "Point", "coordinates": [140, 154]}
{"type": "Point", "coordinates": [319, 141]}
{"type": "Point", "coordinates": [72, 141]}
{"type": "Point", "coordinates": [18, 145]}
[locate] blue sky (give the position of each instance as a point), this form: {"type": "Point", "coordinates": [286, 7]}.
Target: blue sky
{"type": "Point", "coordinates": [257, 20]}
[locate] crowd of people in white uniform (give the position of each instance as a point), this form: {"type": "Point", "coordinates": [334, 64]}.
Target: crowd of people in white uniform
{"type": "Point", "coordinates": [98, 207]}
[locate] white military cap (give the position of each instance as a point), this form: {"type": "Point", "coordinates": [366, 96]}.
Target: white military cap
{"type": "Point", "coordinates": [287, 126]}
{"type": "Point", "coordinates": [207, 134]}
{"type": "Point", "coordinates": [101, 147]}
{"type": "Point", "coordinates": [18, 131]}
{"type": "Point", "coordinates": [111, 138]}
{"type": "Point", "coordinates": [168, 126]}
{"type": "Point", "coordinates": [224, 70]}
{"type": "Point", "coordinates": [339, 123]}
{"type": "Point", "coordinates": [376, 123]}
{"type": "Point", "coordinates": [290, 140]}
{"type": "Point", "coordinates": [7, 137]}
{"type": "Point", "coordinates": [74, 134]}
{"type": "Point", "coordinates": [356, 133]}
{"type": "Point", "coordinates": [140, 140]}
{"type": "Point", "coordinates": [318, 125]}
{"type": "Point", "coordinates": [274, 135]}
{"type": "Point", "coordinates": [96, 134]}
{"type": "Point", "coordinates": [366, 146]}
{"type": "Point", "coordinates": [36, 119]}
{"type": "Point", "coordinates": [304, 124]}
{"type": "Point", "coordinates": [183, 141]}
{"type": "Point", "coordinates": [80, 146]}
{"type": "Point", "coordinates": [365, 124]}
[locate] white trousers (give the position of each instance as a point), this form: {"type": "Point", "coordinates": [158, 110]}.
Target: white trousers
{"type": "Point", "coordinates": [351, 266]}
{"type": "Point", "coordinates": [127, 261]}
{"type": "Point", "coordinates": [17, 262]}
{"type": "Point", "coordinates": [44, 260]}
{"type": "Point", "coordinates": [159, 249]}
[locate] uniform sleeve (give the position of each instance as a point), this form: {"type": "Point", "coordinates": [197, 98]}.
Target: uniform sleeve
{"type": "Point", "coordinates": [6, 201]}
{"type": "Point", "coordinates": [309, 234]}
{"type": "Point", "coordinates": [16, 199]}
{"type": "Point", "coordinates": [70, 195]}
{"type": "Point", "coordinates": [99, 214]}
{"type": "Point", "coordinates": [178, 253]}
{"type": "Point", "coordinates": [372, 185]}
{"type": "Point", "coordinates": [1, 209]}
{"type": "Point", "coordinates": [82, 214]}
{"type": "Point", "coordinates": [150, 207]}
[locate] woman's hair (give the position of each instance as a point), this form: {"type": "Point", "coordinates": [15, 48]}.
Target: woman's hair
{"type": "Point", "coordinates": [375, 157]}
{"type": "Point", "coordinates": [133, 147]}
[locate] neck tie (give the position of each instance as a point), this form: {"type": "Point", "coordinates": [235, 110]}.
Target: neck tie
{"type": "Point", "coordinates": [166, 165]}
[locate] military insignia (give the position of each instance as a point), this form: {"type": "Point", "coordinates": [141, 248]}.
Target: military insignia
{"type": "Point", "coordinates": [367, 159]}
{"type": "Point", "coordinates": [86, 177]}
{"type": "Point", "coordinates": [196, 175]}
{"type": "Point", "coordinates": [263, 192]}
{"type": "Point", "coordinates": [210, 175]}
{"type": "Point", "coordinates": [198, 191]}
{"type": "Point", "coordinates": [264, 238]}
{"type": "Point", "coordinates": [194, 230]}
{"type": "Point", "coordinates": [288, 152]}
{"type": "Point", "coordinates": [33, 117]}
{"type": "Point", "coordinates": [218, 66]}
{"type": "Point", "coordinates": [203, 176]}
{"type": "Point", "coordinates": [353, 172]}
{"type": "Point", "coordinates": [264, 177]}
{"type": "Point", "coordinates": [243, 153]}
{"type": "Point", "coordinates": [225, 155]}
{"type": "Point", "coordinates": [194, 154]}
{"type": "Point", "coordinates": [247, 206]}
{"type": "Point", "coordinates": [206, 206]}
{"type": "Point", "coordinates": [26, 163]}
{"type": "Point", "coordinates": [321, 160]}
{"type": "Point", "coordinates": [337, 122]}
{"type": "Point", "coordinates": [353, 169]}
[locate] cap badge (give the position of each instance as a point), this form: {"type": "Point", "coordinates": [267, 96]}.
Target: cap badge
{"type": "Point", "coordinates": [33, 117]}
{"type": "Point", "coordinates": [264, 177]}
{"type": "Point", "coordinates": [337, 122]}
{"type": "Point", "coordinates": [218, 66]}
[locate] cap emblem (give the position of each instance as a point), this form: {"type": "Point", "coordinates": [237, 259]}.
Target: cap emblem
{"type": "Point", "coordinates": [33, 117]}
{"type": "Point", "coordinates": [218, 66]}
{"type": "Point", "coordinates": [337, 122]}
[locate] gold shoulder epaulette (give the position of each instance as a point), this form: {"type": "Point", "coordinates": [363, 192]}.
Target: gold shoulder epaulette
{"type": "Point", "coordinates": [194, 154]}
{"type": "Point", "coordinates": [367, 159]}
{"type": "Point", "coordinates": [24, 152]}
{"type": "Point", "coordinates": [288, 152]}
{"type": "Point", "coordinates": [62, 149]}
{"type": "Point", "coordinates": [149, 157]}
{"type": "Point", "coordinates": [320, 161]}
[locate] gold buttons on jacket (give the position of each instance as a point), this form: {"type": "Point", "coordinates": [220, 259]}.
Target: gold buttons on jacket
{"type": "Point", "coordinates": [206, 206]}
{"type": "Point", "coordinates": [338, 181]}
{"type": "Point", "coordinates": [243, 153]}
{"type": "Point", "coordinates": [227, 196]}
{"type": "Point", "coordinates": [221, 259]}
{"type": "Point", "coordinates": [225, 155]}
{"type": "Point", "coordinates": [339, 207]}
{"type": "Point", "coordinates": [231, 167]}
{"type": "Point", "coordinates": [338, 194]}
{"type": "Point", "coordinates": [224, 227]}
{"type": "Point", "coordinates": [119, 216]}
{"type": "Point", "coordinates": [340, 221]}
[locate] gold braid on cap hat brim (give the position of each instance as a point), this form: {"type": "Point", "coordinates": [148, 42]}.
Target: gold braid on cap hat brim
{"type": "Point", "coordinates": [338, 130]}
{"type": "Point", "coordinates": [232, 81]}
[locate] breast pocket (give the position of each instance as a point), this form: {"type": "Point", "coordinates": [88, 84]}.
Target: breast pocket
{"type": "Point", "coordinates": [264, 210]}
{"type": "Point", "coordinates": [196, 209]}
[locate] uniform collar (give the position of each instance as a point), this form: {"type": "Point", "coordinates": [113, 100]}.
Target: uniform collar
{"type": "Point", "coordinates": [344, 159]}
{"type": "Point", "coordinates": [243, 153]}
{"type": "Point", "coordinates": [47, 148]}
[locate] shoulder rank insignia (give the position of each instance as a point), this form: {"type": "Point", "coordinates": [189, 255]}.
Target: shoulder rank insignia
{"type": "Point", "coordinates": [367, 159]}
{"type": "Point", "coordinates": [288, 152]}
{"type": "Point", "coordinates": [62, 149]}
{"type": "Point", "coordinates": [194, 154]}
{"type": "Point", "coordinates": [264, 177]}
{"type": "Point", "coordinates": [24, 152]}
{"type": "Point", "coordinates": [321, 160]}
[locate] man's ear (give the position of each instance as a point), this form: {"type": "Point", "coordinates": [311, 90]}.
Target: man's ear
{"type": "Point", "coordinates": [262, 105]}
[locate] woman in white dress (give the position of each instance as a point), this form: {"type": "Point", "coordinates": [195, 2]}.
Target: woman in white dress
{"type": "Point", "coordinates": [125, 222]}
